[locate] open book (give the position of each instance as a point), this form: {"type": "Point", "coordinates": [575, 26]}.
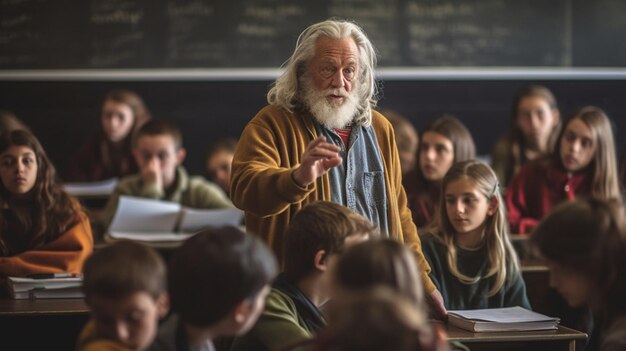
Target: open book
{"type": "Point", "coordinates": [154, 220]}
{"type": "Point", "coordinates": [501, 319]}
{"type": "Point", "coordinates": [46, 288]}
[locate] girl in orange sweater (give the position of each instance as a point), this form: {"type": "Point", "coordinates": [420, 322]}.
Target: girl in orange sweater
{"type": "Point", "coordinates": [42, 228]}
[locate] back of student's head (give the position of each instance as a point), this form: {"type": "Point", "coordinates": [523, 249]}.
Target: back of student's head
{"type": "Point", "coordinates": [160, 127]}
{"type": "Point", "coordinates": [373, 319]}
{"type": "Point", "coordinates": [214, 271]}
{"type": "Point", "coordinates": [603, 164]}
{"type": "Point", "coordinates": [381, 262]}
{"type": "Point", "coordinates": [502, 257]}
{"type": "Point", "coordinates": [588, 236]}
{"type": "Point", "coordinates": [321, 225]}
{"type": "Point", "coordinates": [122, 269]}
{"type": "Point", "coordinates": [455, 131]}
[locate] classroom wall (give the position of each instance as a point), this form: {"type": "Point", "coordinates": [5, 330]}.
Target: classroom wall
{"type": "Point", "coordinates": [65, 113]}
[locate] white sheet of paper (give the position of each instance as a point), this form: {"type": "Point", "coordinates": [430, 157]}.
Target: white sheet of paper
{"type": "Point", "coordinates": [150, 237]}
{"type": "Point", "coordinates": [194, 220]}
{"type": "Point", "coordinates": [104, 187]}
{"type": "Point", "coordinates": [139, 215]}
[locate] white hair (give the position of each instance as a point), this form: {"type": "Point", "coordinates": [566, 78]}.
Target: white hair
{"type": "Point", "coordinates": [286, 90]}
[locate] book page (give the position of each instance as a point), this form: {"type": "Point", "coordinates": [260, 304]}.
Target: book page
{"type": "Point", "coordinates": [194, 220]}
{"type": "Point", "coordinates": [139, 215]}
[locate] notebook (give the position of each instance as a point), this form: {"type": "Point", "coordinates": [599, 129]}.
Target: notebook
{"type": "Point", "coordinates": [69, 286]}
{"type": "Point", "coordinates": [501, 319]}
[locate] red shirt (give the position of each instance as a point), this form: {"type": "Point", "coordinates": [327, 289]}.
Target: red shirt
{"type": "Point", "coordinates": [537, 188]}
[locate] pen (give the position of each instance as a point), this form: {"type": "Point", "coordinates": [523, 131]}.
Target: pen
{"type": "Point", "coordinates": [51, 275]}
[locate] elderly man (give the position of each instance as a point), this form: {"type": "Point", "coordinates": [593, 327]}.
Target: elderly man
{"type": "Point", "coordinates": [319, 139]}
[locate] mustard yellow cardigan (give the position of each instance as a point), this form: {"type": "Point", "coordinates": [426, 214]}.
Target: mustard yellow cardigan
{"type": "Point", "coordinates": [270, 149]}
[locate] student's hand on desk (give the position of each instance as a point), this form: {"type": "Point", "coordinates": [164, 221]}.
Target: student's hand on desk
{"type": "Point", "coordinates": [151, 173]}
{"type": "Point", "coordinates": [319, 157]}
{"type": "Point", "coordinates": [437, 308]}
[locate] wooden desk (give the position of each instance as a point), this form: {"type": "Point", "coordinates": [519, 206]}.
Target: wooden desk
{"type": "Point", "coordinates": [561, 339]}
{"type": "Point", "coordinates": [44, 324]}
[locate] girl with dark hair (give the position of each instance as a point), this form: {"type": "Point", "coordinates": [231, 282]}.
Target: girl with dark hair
{"type": "Point", "coordinates": [443, 143]}
{"type": "Point", "coordinates": [42, 228]}
{"type": "Point", "coordinates": [584, 244]}
{"type": "Point", "coordinates": [535, 125]}
{"type": "Point", "coordinates": [109, 153]}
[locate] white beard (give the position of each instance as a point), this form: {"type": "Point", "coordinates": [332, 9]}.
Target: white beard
{"type": "Point", "coordinates": [330, 115]}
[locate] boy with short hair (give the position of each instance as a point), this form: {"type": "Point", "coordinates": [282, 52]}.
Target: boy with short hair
{"type": "Point", "coordinates": [314, 239]}
{"type": "Point", "coordinates": [218, 282]}
{"type": "Point", "coordinates": [159, 153]}
{"type": "Point", "coordinates": [125, 288]}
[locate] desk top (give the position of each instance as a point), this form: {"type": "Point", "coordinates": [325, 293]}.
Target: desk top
{"type": "Point", "coordinates": [562, 333]}
{"type": "Point", "coordinates": [40, 307]}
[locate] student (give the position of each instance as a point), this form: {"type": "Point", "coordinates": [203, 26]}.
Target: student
{"type": "Point", "coordinates": [473, 261]}
{"type": "Point", "coordinates": [159, 153]}
{"type": "Point", "coordinates": [535, 125]}
{"type": "Point", "coordinates": [219, 162]}
{"type": "Point", "coordinates": [314, 239]}
{"type": "Point", "coordinates": [584, 243]}
{"type": "Point", "coordinates": [385, 263]}
{"type": "Point", "coordinates": [583, 163]}
{"type": "Point", "coordinates": [375, 319]}
{"type": "Point", "coordinates": [218, 281]}
{"type": "Point", "coordinates": [108, 153]}
{"type": "Point", "coordinates": [444, 142]}
{"type": "Point", "coordinates": [406, 139]}
{"type": "Point", "coordinates": [126, 290]}
{"type": "Point", "coordinates": [42, 228]}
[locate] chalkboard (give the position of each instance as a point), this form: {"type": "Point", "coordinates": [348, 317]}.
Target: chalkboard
{"type": "Point", "coordinates": [101, 34]}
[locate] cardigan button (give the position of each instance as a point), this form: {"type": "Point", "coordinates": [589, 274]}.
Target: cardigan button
{"type": "Point", "coordinates": [567, 187]}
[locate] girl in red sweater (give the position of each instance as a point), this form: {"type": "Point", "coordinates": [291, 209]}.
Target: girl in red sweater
{"type": "Point", "coordinates": [583, 163]}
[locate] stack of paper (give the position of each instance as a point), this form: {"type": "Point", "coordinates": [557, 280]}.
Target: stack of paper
{"type": "Point", "coordinates": [153, 220]}
{"type": "Point", "coordinates": [501, 319]}
{"type": "Point", "coordinates": [69, 286]}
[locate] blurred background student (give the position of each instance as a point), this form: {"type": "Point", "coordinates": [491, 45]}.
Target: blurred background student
{"type": "Point", "coordinates": [108, 153]}
{"type": "Point", "coordinates": [406, 139]}
{"type": "Point", "coordinates": [535, 126]}
{"type": "Point", "coordinates": [443, 142]}
{"type": "Point", "coordinates": [375, 319]}
{"type": "Point", "coordinates": [584, 243]}
{"type": "Point", "coordinates": [219, 162]}
{"type": "Point", "coordinates": [583, 163]}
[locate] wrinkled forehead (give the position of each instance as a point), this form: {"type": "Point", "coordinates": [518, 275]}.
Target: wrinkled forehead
{"type": "Point", "coordinates": [343, 50]}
